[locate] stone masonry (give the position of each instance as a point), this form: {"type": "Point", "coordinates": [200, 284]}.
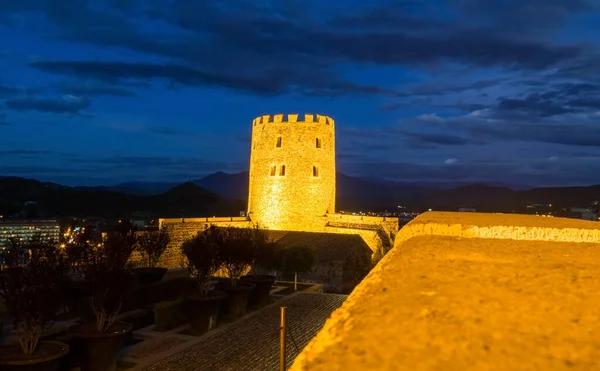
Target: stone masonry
{"type": "Point", "coordinates": [292, 171]}
{"type": "Point", "coordinates": [291, 187]}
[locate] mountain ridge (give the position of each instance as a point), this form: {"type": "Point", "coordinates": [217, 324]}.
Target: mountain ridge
{"type": "Point", "coordinates": [223, 194]}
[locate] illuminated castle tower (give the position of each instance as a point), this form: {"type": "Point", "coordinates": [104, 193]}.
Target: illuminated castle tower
{"type": "Point", "coordinates": [292, 171]}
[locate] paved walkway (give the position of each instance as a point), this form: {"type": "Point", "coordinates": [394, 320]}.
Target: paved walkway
{"type": "Point", "coordinates": [251, 343]}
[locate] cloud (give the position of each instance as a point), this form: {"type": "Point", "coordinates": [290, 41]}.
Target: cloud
{"type": "Point", "coordinates": [451, 161]}
{"type": "Point", "coordinates": [154, 167]}
{"type": "Point", "coordinates": [24, 152]}
{"type": "Point", "coordinates": [4, 123]}
{"type": "Point", "coordinates": [304, 55]}
{"type": "Point", "coordinates": [527, 17]}
{"type": "Point", "coordinates": [180, 74]}
{"type": "Point", "coordinates": [138, 125]}
{"type": "Point", "coordinates": [272, 82]}
{"type": "Point", "coordinates": [439, 138]}
{"type": "Point", "coordinates": [537, 171]}
{"type": "Point", "coordinates": [93, 87]}
{"type": "Point", "coordinates": [439, 89]}
{"type": "Point", "coordinates": [8, 89]}
{"type": "Point", "coordinates": [490, 125]}
{"type": "Point", "coordinates": [66, 104]}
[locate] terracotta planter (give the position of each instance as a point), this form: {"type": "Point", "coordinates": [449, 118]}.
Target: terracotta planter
{"type": "Point", "coordinates": [46, 357]}
{"type": "Point", "coordinates": [98, 351]}
{"type": "Point", "coordinates": [260, 295]}
{"type": "Point", "coordinates": [236, 301]}
{"type": "Point", "coordinates": [203, 312]}
{"type": "Point", "coordinates": [149, 275]}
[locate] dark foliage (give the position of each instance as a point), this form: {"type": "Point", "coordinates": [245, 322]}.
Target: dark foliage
{"type": "Point", "coordinates": [265, 253]}
{"type": "Point", "coordinates": [202, 259]}
{"type": "Point", "coordinates": [236, 251]}
{"type": "Point", "coordinates": [296, 259]}
{"type": "Point", "coordinates": [107, 269]}
{"type": "Point", "coordinates": [31, 289]}
{"type": "Point", "coordinates": [152, 244]}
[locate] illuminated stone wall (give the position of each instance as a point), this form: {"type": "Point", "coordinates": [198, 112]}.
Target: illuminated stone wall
{"type": "Point", "coordinates": [181, 229]}
{"type": "Point", "coordinates": [472, 291]}
{"type": "Point", "coordinates": [302, 198]}
{"type": "Point", "coordinates": [299, 199]}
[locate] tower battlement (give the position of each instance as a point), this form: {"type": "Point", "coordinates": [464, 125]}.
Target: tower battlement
{"type": "Point", "coordinates": [292, 171]}
{"type": "Point", "coordinates": [293, 118]}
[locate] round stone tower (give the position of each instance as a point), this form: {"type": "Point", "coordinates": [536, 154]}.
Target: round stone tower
{"type": "Point", "coordinates": [292, 171]}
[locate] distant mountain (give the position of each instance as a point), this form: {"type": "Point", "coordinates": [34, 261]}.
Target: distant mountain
{"type": "Point", "coordinates": [54, 200]}
{"type": "Point", "coordinates": [222, 194]}
{"type": "Point", "coordinates": [141, 188]}
{"type": "Point", "coordinates": [230, 186]}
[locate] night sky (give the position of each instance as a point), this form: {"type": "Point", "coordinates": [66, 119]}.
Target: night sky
{"type": "Point", "coordinates": [99, 92]}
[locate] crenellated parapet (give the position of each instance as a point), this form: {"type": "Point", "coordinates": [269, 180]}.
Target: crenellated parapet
{"type": "Point", "coordinates": [293, 118]}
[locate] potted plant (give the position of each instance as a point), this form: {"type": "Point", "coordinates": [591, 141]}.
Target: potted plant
{"type": "Point", "coordinates": [109, 275]}
{"type": "Point", "coordinates": [295, 260]}
{"type": "Point", "coordinates": [76, 287]}
{"type": "Point", "coordinates": [29, 286]}
{"type": "Point", "coordinates": [202, 303]}
{"type": "Point", "coordinates": [235, 254]}
{"type": "Point", "coordinates": [152, 244]}
{"type": "Point", "coordinates": [262, 267]}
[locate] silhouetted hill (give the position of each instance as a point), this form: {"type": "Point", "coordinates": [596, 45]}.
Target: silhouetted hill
{"type": "Point", "coordinates": [183, 199]}
{"type": "Point", "coordinates": [561, 195]}
{"type": "Point", "coordinates": [141, 188]}
{"type": "Point", "coordinates": [230, 186]}
{"type": "Point", "coordinates": [365, 193]}
{"type": "Point", "coordinates": [57, 200]}
{"type": "Point", "coordinates": [482, 196]}
{"type": "Point", "coordinates": [222, 194]}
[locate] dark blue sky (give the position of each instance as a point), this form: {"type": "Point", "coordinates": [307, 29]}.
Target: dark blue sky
{"type": "Point", "coordinates": [96, 92]}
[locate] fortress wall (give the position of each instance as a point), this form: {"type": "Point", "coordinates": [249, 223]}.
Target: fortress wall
{"type": "Point", "coordinates": [500, 226]}
{"type": "Point", "coordinates": [388, 224]}
{"type": "Point", "coordinates": [371, 237]}
{"type": "Point", "coordinates": [291, 201]}
{"type": "Point", "coordinates": [181, 231]}
{"type": "Point", "coordinates": [471, 291]}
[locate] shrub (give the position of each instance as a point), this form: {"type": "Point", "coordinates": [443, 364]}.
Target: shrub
{"type": "Point", "coordinates": [236, 251]}
{"type": "Point", "coordinates": [152, 244]}
{"type": "Point", "coordinates": [108, 271]}
{"type": "Point", "coordinates": [31, 289]}
{"type": "Point", "coordinates": [295, 260]}
{"type": "Point", "coordinates": [265, 252]}
{"type": "Point", "coordinates": [201, 255]}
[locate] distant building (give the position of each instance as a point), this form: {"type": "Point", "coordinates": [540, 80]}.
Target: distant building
{"type": "Point", "coordinates": [48, 230]}
{"type": "Point", "coordinates": [585, 213]}
{"type": "Point", "coordinates": [467, 209]}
